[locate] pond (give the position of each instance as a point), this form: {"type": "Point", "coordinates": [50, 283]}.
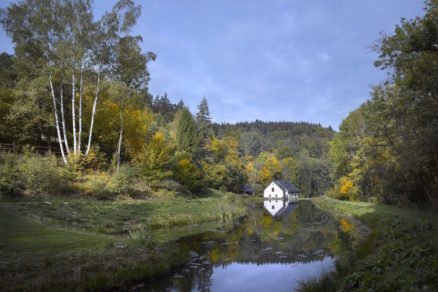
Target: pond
{"type": "Point", "coordinates": [275, 247]}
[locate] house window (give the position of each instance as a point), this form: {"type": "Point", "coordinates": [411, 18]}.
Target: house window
{"type": "Point", "coordinates": [273, 189]}
{"type": "Point", "coordinates": [272, 207]}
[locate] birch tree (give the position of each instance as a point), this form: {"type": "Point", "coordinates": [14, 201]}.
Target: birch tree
{"type": "Point", "coordinates": [129, 66]}
{"type": "Point", "coordinates": [36, 33]}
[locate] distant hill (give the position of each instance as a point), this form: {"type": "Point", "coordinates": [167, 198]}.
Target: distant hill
{"type": "Point", "coordinates": [255, 137]}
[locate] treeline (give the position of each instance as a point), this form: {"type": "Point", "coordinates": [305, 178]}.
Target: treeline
{"type": "Point", "coordinates": [387, 149]}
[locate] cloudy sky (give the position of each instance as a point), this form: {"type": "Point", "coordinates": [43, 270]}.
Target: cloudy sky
{"type": "Point", "coordinates": [272, 60]}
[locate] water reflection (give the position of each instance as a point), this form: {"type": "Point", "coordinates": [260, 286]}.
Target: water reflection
{"type": "Point", "coordinates": [264, 252]}
{"type": "Point", "coordinates": [280, 207]}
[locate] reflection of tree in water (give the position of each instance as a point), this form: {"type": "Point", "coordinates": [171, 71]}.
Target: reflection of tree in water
{"type": "Point", "coordinates": [304, 235]}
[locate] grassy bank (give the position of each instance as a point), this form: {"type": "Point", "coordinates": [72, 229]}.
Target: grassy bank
{"type": "Point", "coordinates": [399, 254]}
{"type": "Point", "coordinates": [77, 243]}
{"type": "Point", "coordinates": [115, 217]}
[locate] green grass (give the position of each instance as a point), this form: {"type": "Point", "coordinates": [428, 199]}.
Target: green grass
{"type": "Point", "coordinates": [400, 252]}
{"type": "Point", "coordinates": [115, 217]}
{"type": "Point", "coordinates": [63, 243]}
{"type": "Point", "coordinates": [25, 235]}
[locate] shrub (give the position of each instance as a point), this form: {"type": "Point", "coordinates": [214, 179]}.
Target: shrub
{"type": "Point", "coordinates": [188, 174]}
{"type": "Point", "coordinates": [122, 182]}
{"type": "Point", "coordinates": [95, 185]}
{"type": "Point", "coordinates": [10, 183]}
{"type": "Point", "coordinates": [41, 175]}
{"type": "Point", "coordinates": [344, 190]}
{"type": "Point", "coordinates": [95, 159]}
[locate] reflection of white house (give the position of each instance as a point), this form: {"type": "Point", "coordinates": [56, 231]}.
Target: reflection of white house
{"type": "Point", "coordinates": [274, 206]}
{"type": "Point", "coordinates": [281, 190]}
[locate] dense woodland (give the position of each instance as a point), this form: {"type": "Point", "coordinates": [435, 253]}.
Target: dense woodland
{"type": "Point", "coordinates": [80, 85]}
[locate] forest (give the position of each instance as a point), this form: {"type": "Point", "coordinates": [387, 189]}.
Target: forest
{"type": "Point", "coordinates": [72, 87]}
{"type": "Point", "coordinates": [79, 87]}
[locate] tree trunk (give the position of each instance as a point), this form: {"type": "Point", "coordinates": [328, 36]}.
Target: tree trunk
{"type": "Point", "coordinates": [63, 122]}
{"type": "Point", "coordinates": [93, 112]}
{"type": "Point", "coordinates": [80, 114]}
{"type": "Point", "coordinates": [73, 114]}
{"type": "Point", "coordinates": [122, 114]}
{"type": "Point", "coordinates": [56, 120]}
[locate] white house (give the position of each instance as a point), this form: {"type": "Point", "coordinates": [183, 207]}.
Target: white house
{"type": "Point", "coordinates": [281, 190]}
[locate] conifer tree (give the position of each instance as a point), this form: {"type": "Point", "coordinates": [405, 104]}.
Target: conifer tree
{"type": "Point", "coordinates": [186, 136]}
{"type": "Point", "coordinates": [203, 121]}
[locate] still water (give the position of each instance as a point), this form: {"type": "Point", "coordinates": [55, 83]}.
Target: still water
{"type": "Point", "coordinates": [275, 247]}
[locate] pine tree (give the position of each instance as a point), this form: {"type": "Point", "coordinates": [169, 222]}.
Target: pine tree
{"type": "Point", "coordinates": [203, 121]}
{"type": "Point", "coordinates": [186, 135]}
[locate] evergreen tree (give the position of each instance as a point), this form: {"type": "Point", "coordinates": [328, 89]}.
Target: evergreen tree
{"type": "Point", "coordinates": [203, 121]}
{"type": "Point", "coordinates": [186, 132]}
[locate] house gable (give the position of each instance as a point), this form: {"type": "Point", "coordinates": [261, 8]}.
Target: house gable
{"type": "Point", "coordinates": [273, 191]}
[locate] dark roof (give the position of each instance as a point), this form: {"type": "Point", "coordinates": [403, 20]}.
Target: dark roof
{"type": "Point", "coordinates": [286, 186]}
{"type": "Point", "coordinates": [247, 188]}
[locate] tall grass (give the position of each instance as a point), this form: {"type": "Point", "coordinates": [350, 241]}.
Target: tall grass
{"type": "Point", "coordinates": [139, 231]}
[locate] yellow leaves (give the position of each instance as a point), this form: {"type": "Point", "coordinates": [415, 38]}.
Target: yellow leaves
{"type": "Point", "coordinates": [346, 185]}
{"type": "Point", "coordinates": [346, 226]}
{"type": "Point", "coordinates": [225, 149]}
{"type": "Point", "coordinates": [154, 158]}
{"type": "Point", "coordinates": [345, 189]}
{"type": "Point", "coordinates": [267, 219]}
{"type": "Point", "coordinates": [137, 123]}
{"type": "Point", "coordinates": [184, 163]}
{"type": "Point", "coordinates": [107, 126]}
{"type": "Point", "coordinates": [188, 174]}
{"type": "Point", "coordinates": [249, 168]}
{"type": "Point", "coordinates": [265, 175]}
{"type": "Point", "coordinates": [214, 255]}
{"type": "Point", "coordinates": [273, 165]}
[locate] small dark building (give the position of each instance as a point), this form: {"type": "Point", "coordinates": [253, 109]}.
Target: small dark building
{"type": "Point", "coordinates": [247, 189]}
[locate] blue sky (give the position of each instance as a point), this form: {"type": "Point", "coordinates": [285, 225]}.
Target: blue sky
{"type": "Point", "coordinates": [272, 60]}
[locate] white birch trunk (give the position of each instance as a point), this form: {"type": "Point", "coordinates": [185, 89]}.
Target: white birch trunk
{"type": "Point", "coordinates": [122, 114]}
{"type": "Point", "coordinates": [56, 120]}
{"type": "Point", "coordinates": [80, 114]}
{"type": "Point", "coordinates": [93, 112]}
{"type": "Point", "coordinates": [73, 114]}
{"type": "Point", "coordinates": [63, 122]}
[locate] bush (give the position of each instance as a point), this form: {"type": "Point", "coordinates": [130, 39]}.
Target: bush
{"type": "Point", "coordinates": [95, 185]}
{"type": "Point", "coordinates": [344, 189]}
{"type": "Point", "coordinates": [41, 175]}
{"type": "Point", "coordinates": [122, 182]}
{"type": "Point", "coordinates": [188, 174]}
{"type": "Point", "coordinates": [10, 183]}
{"type": "Point", "coordinates": [95, 159]}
